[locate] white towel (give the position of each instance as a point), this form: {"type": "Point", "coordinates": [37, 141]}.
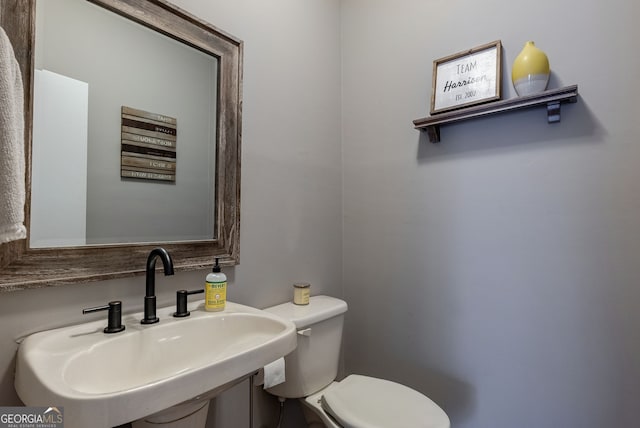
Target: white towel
{"type": "Point", "coordinates": [12, 163]}
{"type": "Point", "coordinates": [272, 374]}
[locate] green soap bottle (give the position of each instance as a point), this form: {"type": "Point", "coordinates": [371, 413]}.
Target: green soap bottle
{"type": "Point", "coordinates": [215, 290]}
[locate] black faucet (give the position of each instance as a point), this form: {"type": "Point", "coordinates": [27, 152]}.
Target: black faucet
{"type": "Point", "coordinates": [150, 296]}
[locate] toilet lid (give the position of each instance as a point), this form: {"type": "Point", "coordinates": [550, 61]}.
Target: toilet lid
{"type": "Point", "coordinates": [366, 402]}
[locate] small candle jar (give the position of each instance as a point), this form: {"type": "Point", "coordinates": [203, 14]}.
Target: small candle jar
{"type": "Point", "coordinates": [301, 293]}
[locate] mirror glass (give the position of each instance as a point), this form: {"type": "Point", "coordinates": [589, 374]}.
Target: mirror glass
{"type": "Point", "coordinates": [100, 174]}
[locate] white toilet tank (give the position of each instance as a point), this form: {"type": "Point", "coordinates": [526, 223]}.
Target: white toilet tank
{"type": "Point", "coordinates": [314, 363]}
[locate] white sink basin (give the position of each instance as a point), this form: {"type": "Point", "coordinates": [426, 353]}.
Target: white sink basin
{"type": "Point", "coordinates": [104, 380]}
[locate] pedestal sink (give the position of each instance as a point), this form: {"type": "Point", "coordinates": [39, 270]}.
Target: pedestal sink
{"type": "Point", "coordinates": [104, 380]}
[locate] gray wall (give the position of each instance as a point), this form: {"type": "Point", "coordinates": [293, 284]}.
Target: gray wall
{"type": "Point", "coordinates": [496, 271]}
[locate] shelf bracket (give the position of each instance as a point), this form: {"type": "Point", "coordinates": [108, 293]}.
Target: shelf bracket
{"type": "Point", "coordinates": [553, 112]}
{"type": "Point", "coordinates": [433, 132]}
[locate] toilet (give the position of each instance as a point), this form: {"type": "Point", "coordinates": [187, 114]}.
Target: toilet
{"type": "Point", "coordinates": [356, 401]}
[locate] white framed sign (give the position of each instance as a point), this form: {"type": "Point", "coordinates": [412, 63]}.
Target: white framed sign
{"type": "Point", "coordinates": [467, 78]}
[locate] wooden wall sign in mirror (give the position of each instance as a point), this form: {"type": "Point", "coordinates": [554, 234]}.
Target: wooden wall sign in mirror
{"type": "Point", "coordinates": [120, 250]}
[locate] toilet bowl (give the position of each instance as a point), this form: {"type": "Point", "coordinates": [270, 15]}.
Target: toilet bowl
{"type": "Point", "coordinates": [356, 401]}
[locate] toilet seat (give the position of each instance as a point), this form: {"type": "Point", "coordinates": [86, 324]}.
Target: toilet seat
{"type": "Point", "coordinates": [366, 402]}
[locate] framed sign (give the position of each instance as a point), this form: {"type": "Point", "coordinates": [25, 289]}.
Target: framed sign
{"type": "Point", "coordinates": [148, 149]}
{"type": "Point", "coordinates": [467, 78]}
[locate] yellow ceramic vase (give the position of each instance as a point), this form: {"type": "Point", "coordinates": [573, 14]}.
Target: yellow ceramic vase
{"type": "Point", "coordinates": [530, 71]}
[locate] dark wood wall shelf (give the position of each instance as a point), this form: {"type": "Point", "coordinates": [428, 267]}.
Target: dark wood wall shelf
{"type": "Point", "coordinates": [552, 99]}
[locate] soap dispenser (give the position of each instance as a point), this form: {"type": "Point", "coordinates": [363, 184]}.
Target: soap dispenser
{"type": "Point", "coordinates": [215, 289]}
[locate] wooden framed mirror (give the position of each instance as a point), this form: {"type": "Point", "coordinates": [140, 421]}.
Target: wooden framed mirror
{"type": "Point", "coordinates": [23, 265]}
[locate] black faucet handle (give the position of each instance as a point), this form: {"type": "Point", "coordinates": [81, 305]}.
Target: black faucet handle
{"type": "Point", "coordinates": [114, 318]}
{"type": "Point", "coordinates": [181, 302]}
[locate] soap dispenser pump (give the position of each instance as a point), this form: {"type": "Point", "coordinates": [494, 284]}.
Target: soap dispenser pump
{"type": "Point", "coordinates": [215, 289]}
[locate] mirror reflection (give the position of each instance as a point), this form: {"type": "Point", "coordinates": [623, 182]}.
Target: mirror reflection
{"type": "Point", "coordinates": [90, 63]}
